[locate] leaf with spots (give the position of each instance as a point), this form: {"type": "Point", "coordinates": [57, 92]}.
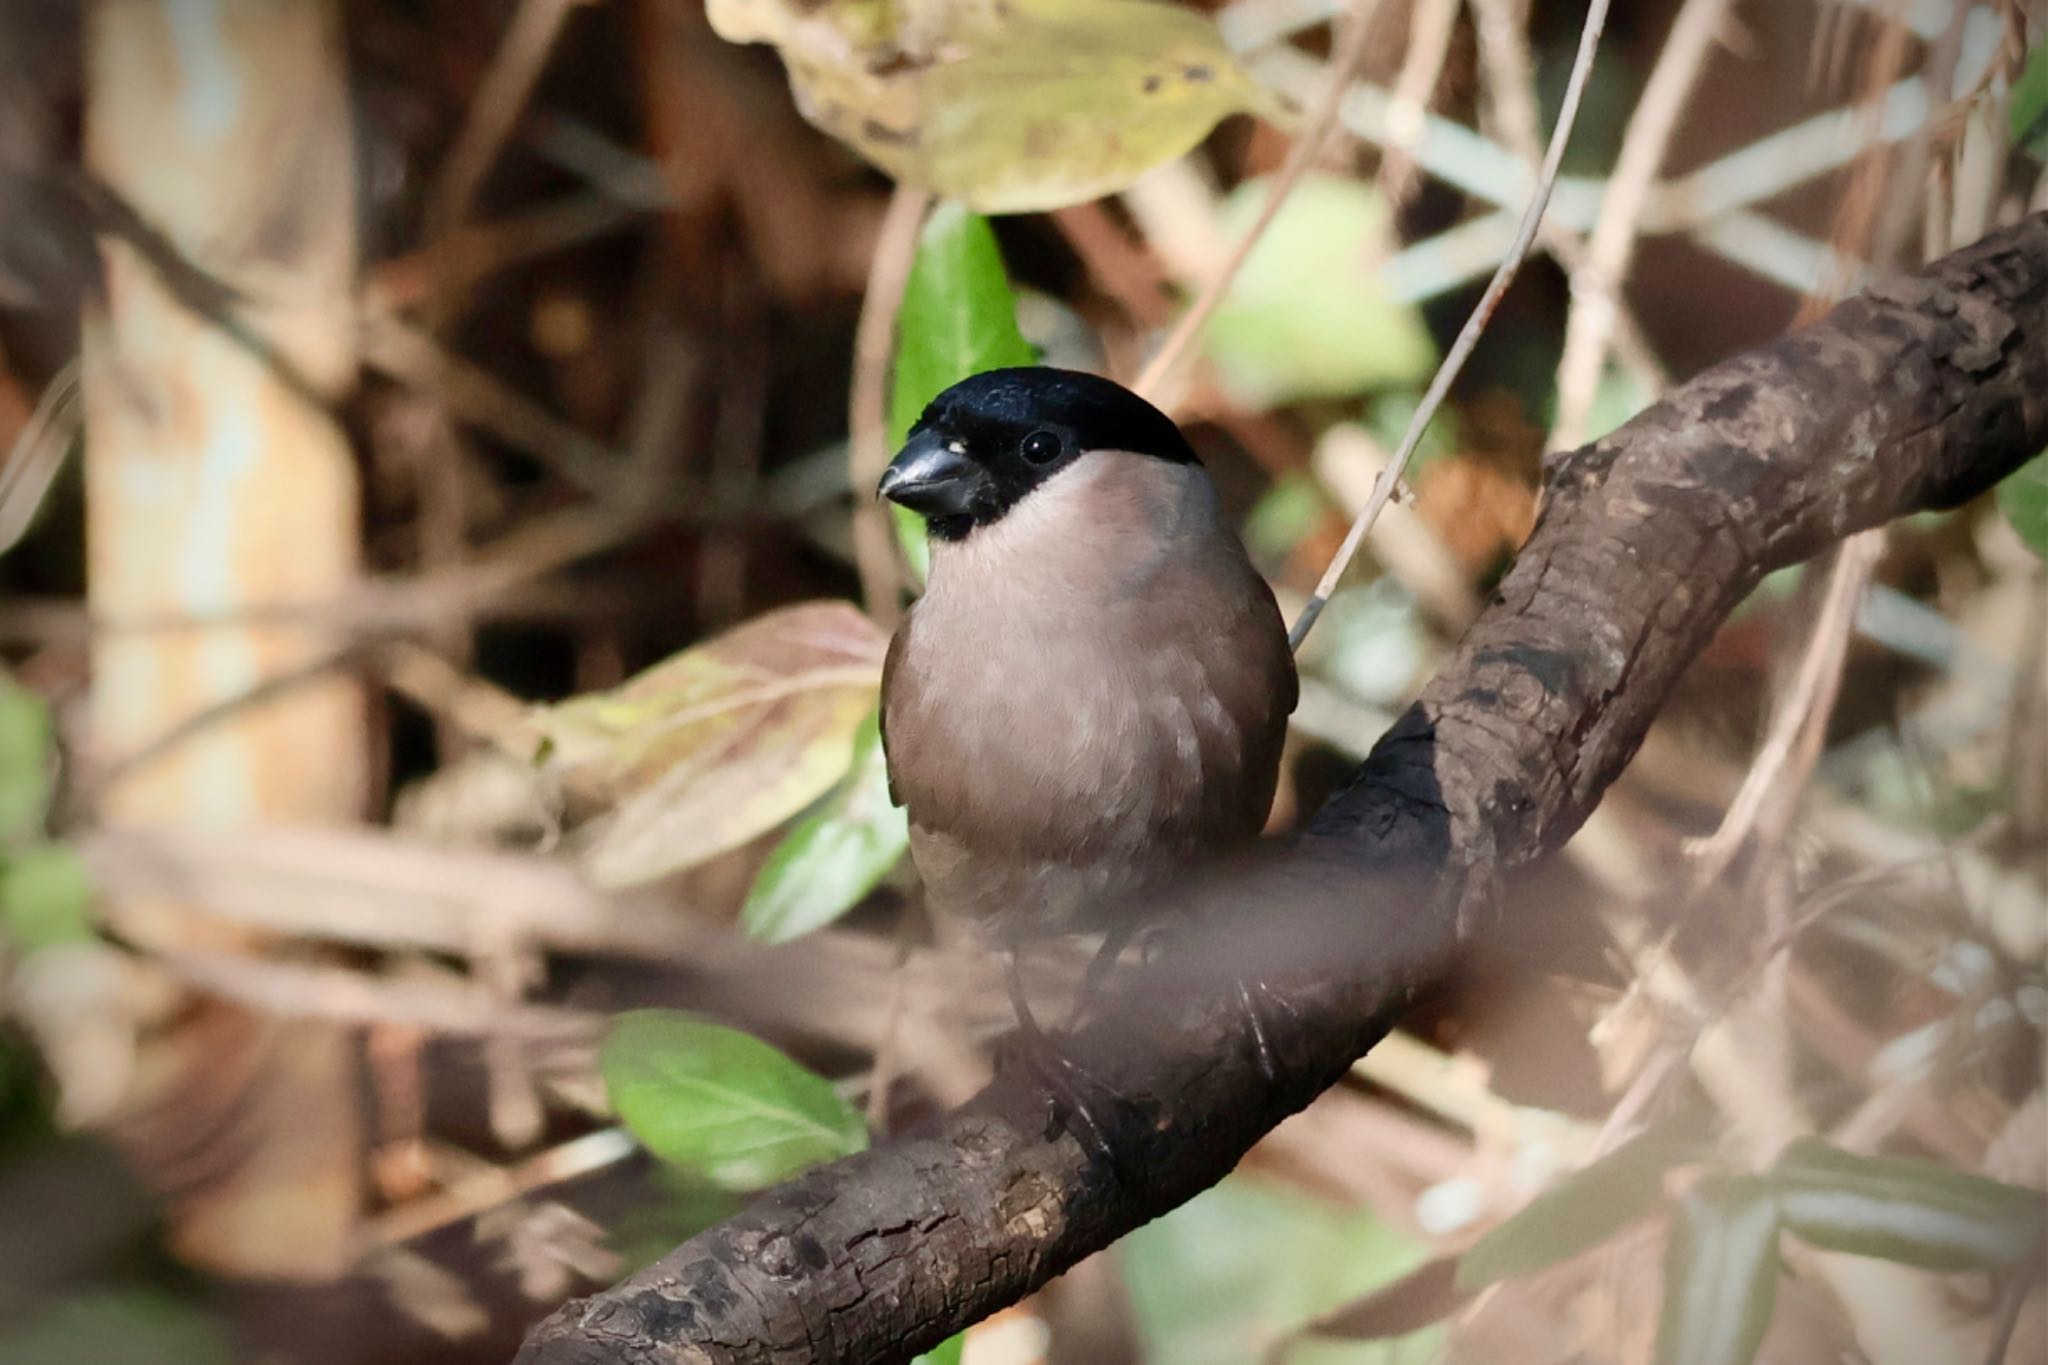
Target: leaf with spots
{"type": "Point", "coordinates": [1009, 106]}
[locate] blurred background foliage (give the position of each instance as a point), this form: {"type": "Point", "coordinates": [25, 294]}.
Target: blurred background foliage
{"type": "Point", "coordinates": [444, 853]}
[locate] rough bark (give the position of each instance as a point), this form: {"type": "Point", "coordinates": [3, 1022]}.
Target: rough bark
{"type": "Point", "coordinates": [1920, 393]}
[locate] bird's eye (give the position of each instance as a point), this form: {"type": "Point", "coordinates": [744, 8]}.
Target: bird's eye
{"type": "Point", "coordinates": [1041, 447]}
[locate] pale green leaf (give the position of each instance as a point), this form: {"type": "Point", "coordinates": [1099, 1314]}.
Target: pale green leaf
{"type": "Point", "coordinates": [1720, 1274]}
{"type": "Point", "coordinates": [717, 745]}
{"type": "Point", "coordinates": [1308, 316]}
{"type": "Point", "coordinates": [720, 1104]}
{"type": "Point", "coordinates": [2023, 497]}
{"type": "Point", "coordinates": [45, 898]}
{"type": "Point", "coordinates": [25, 749]}
{"type": "Point", "coordinates": [1580, 1211]}
{"type": "Point", "coordinates": [1902, 1209]}
{"type": "Point", "coordinates": [835, 855]}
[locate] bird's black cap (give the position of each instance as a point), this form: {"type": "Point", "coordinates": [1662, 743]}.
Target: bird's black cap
{"type": "Point", "coordinates": [985, 443]}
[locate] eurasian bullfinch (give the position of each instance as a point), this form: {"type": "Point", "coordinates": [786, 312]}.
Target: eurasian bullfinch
{"type": "Point", "coordinates": [1093, 690]}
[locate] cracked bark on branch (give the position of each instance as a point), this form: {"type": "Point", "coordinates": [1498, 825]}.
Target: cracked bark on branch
{"type": "Point", "coordinates": [1919, 393]}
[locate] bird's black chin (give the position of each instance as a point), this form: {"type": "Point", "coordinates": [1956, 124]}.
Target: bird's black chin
{"type": "Point", "coordinates": [949, 529]}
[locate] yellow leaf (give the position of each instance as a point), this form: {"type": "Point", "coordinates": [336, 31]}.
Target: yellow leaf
{"type": "Point", "coordinates": [718, 744]}
{"type": "Point", "coordinates": [1009, 106]}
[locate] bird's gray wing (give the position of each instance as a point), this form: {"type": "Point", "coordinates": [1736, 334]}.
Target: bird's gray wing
{"type": "Point", "coordinates": [888, 675]}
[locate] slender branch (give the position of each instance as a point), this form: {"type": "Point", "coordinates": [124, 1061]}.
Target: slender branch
{"type": "Point", "coordinates": [1430, 26]}
{"type": "Point", "coordinates": [1502, 30]}
{"type": "Point", "coordinates": [1791, 747]}
{"type": "Point", "coordinates": [867, 422]}
{"type": "Point", "coordinates": [1468, 335]}
{"type": "Point", "coordinates": [514, 69]}
{"type": "Point", "coordinates": [1921, 393]}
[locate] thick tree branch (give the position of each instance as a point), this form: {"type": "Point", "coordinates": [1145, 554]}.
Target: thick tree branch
{"type": "Point", "coordinates": [1921, 393]}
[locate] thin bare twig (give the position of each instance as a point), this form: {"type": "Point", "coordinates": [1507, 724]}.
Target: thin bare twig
{"type": "Point", "coordinates": [1597, 287]}
{"type": "Point", "coordinates": [874, 552]}
{"type": "Point", "coordinates": [495, 108]}
{"type": "Point", "coordinates": [1468, 336]}
{"type": "Point", "coordinates": [486, 1190]}
{"type": "Point", "coordinates": [1502, 30]}
{"type": "Point", "coordinates": [409, 355]}
{"type": "Point", "coordinates": [1343, 66]}
{"type": "Point", "coordinates": [94, 785]}
{"type": "Point", "coordinates": [38, 454]}
{"type": "Point", "coordinates": [1430, 26]}
{"type": "Point", "coordinates": [474, 251]}
{"type": "Point", "coordinates": [344, 995]}
{"type": "Point", "coordinates": [477, 707]}
{"type": "Point", "coordinates": [1789, 750]}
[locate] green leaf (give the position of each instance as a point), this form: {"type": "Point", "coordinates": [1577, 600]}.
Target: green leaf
{"type": "Point", "coordinates": [835, 855]}
{"type": "Point", "coordinates": [25, 747]}
{"type": "Point", "coordinates": [959, 318]}
{"type": "Point", "coordinates": [1918, 1213]}
{"type": "Point", "coordinates": [1720, 1274]}
{"type": "Point", "coordinates": [2023, 497]}
{"type": "Point", "coordinates": [959, 315]}
{"type": "Point", "coordinates": [117, 1327]}
{"type": "Point", "coordinates": [1223, 1278]}
{"type": "Point", "coordinates": [947, 1352]}
{"type": "Point", "coordinates": [1308, 316]}
{"type": "Point", "coordinates": [1580, 1211]}
{"type": "Point", "coordinates": [45, 898]}
{"type": "Point", "coordinates": [720, 1104]}
{"type": "Point", "coordinates": [2029, 107]}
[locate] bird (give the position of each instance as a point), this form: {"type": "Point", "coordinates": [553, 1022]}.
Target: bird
{"type": "Point", "coordinates": [1092, 691]}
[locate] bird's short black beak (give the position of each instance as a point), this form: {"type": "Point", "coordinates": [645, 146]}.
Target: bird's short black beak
{"type": "Point", "coordinates": [933, 478]}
